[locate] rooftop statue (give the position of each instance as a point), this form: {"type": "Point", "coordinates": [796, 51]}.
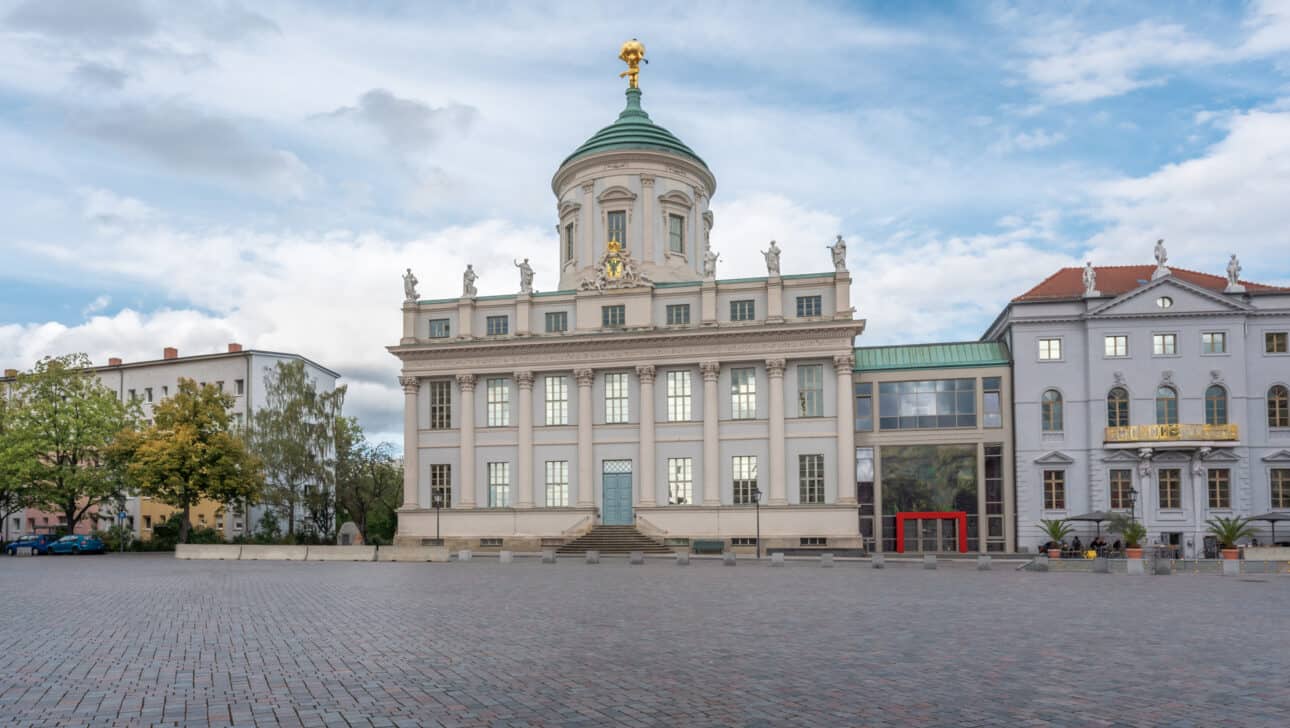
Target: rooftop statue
{"type": "Point", "coordinates": [710, 264]}
{"type": "Point", "coordinates": [468, 279]}
{"type": "Point", "coordinates": [633, 54]}
{"type": "Point", "coordinates": [1234, 276]}
{"type": "Point", "coordinates": [410, 286]}
{"type": "Point", "coordinates": [839, 250]}
{"type": "Point", "coordinates": [526, 275]}
{"type": "Point", "coordinates": [772, 259]}
{"type": "Point", "coordinates": [1090, 279]}
{"type": "Point", "coordinates": [1162, 255]}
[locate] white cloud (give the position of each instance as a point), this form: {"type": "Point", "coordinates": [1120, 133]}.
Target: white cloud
{"type": "Point", "coordinates": [98, 304]}
{"type": "Point", "coordinates": [1027, 141]}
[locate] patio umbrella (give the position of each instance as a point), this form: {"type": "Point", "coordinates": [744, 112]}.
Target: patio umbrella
{"type": "Point", "coordinates": [1095, 517]}
{"type": "Point", "coordinates": [1272, 518]}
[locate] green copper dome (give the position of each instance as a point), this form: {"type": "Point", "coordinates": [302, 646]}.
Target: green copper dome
{"type": "Point", "coordinates": [633, 130]}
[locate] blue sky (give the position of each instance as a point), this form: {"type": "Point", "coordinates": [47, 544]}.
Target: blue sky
{"type": "Point", "coordinates": [190, 174]}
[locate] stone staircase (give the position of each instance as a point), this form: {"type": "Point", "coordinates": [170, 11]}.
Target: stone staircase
{"type": "Point", "coordinates": [614, 540]}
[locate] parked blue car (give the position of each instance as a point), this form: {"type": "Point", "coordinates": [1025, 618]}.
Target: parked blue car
{"type": "Point", "coordinates": [32, 543]}
{"type": "Point", "coordinates": [77, 545]}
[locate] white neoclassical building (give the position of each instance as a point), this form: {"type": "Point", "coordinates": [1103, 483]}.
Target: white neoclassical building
{"type": "Point", "coordinates": [643, 391]}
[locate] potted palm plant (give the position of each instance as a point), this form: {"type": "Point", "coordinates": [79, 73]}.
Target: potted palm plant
{"type": "Point", "coordinates": [1056, 529]}
{"type": "Point", "coordinates": [1132, 532]}
{"type": "Point", "coordinates": [1228, 531]}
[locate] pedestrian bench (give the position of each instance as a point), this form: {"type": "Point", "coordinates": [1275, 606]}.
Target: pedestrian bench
{"type": "Point", "coordinates": [708, 547]}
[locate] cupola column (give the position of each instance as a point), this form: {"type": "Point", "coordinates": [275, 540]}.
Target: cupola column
{"type": "Point", "coordinates": [711, 441]}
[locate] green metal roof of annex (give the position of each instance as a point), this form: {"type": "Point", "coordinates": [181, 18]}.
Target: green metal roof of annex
{"type": "Point", "coordinates": [633, 130]}
{"type": "Point", "coordinates": [931, 356]}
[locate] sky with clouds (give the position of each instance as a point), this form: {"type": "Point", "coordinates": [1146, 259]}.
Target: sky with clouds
{"type": "Point", "coordinates": [195, 173]}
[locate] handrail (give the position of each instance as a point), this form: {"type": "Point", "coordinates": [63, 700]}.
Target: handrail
{"type": "Point", "coordinates": [648, 526]}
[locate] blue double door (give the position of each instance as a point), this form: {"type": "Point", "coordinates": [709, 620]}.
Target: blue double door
{"type": "Point", "coordinates": [616, 499]}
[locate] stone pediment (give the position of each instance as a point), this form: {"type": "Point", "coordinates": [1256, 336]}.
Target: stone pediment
{"type": "Point", "coordinates": [1121, 456]}
{"type": "Point", "coordinates": [616, 193]}
{"type": "Point", "coordinates": [676, 197]}
{"type": "Point", "coordinates": [1054, 458]}
{"type": "Point", "coordinates": [1221, 456]}
{"type": "Point", "coordinates": [1280, 456]}
{"type": "Point", "coordinates": [568, 208]}
{"type": "Point", "coordinates": [1187, 298]}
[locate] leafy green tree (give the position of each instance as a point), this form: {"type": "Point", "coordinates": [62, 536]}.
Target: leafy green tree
{"type": "Point", "coordinates": [294, 435]}
{"type": "Point", "coordinates": [368, 481]}
{"type": "Point", "coordinates": [190, 453]}
{"type": "Point", "coordinates": [14, 495]}
{"type": "Point", "coordinates": [61, 423]}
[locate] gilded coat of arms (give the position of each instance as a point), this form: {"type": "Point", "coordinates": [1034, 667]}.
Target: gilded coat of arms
{"type": "Point", "coordinates": [616, 269]}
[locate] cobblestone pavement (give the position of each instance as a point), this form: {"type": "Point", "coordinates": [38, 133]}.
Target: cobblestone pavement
{"type": "Point", "coordinates": [141, 640]}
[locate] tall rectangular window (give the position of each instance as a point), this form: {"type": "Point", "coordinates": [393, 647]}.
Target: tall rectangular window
{"type": "Point", "coordinates": [1274, 342]}
{"type": "Point", "coordinates": [616, 398]}
{"type": "Point", "coordinates": [810, 390]}
{"type": "Point", "coordinates": [745, 310]}
{"type": "Point", "coordinates": [557, 483]}
{"type": "Point", "coordinates": [676, 234]}
{"type": "Point", "coordinates": [498, 325]}
{"type": "Point", "coordinates": [992, 401]}
{"type": "Point", "coordinates": [557, 399]}
{"type": "Point", "coordinates": [1170, 488]}
{"type": "Point", "coordinates": [680, 481]}
{"type": "Point", "coordinates": [612, 317]}
{"type": "Point", "coordinates": [1280, 480]}
{"type": "Point", "coordinates": [556, 321]}
{"type": "Point", "coordinates": [441, 484]}
{"type": "Point", "coordinates": [864, 406]}
{"type": "Point", "coordinates": [440, 404]}
{"type": "Point", "coordinates": [499, 485]}
{"type": "Point", "coordinates": [1213, 342]}
{"type": "Point", "coordinates": [743, 393]}
{"type": "Point", "coordinates": [1117, 345]}
{"type": "Point", "coordinates": [1121, 489]}
{"type": "Point", "coordinates": [439, 328]}
{"type": "Point", "coordinates": [147, 392]}
{"type": "Point", "coordinates": [1220, 488]}
{"type": "Point", "coordinates": [1050, 349]}
{"type": "Point", "coordinates": [808, 306]}
{"type": "Point", "coordinates": [239, 388]}
{"type": "Point", "coordinates": [499, 403]}
{"type": "Point", "coordinates": [810, 478]}
{"type": "Point", "coordinates": [1054, 490]}
{"type": "Point", "coordinates": [568, 242]}
{"type": "Point", "coordinates": [744, 473]}
{"type": "Point", "coordinates": [1164, 344]}
{"type": "Point", "coordinates": [936, 403]}
{"type": "Point", "coordinates": [618, 226]}
{"type": "Point", "coordinates": [678, 396]}
{"type": "Point", "coordinates": [678, 314]}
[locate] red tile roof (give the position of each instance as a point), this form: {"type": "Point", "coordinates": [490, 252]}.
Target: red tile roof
{"type": "Point", "coordinates": [1113, 280]}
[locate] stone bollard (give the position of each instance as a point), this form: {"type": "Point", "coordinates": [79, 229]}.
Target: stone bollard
{"type": "Point", "coordinates": [728, 558]}
{"type": "Point", "coordinates": [548, 556]}
{"type": "Point", "coordinates": [777, 558]}
{"type": "Point", "coordinates": [1101, 565]}
{"type": "Point", "coordinates": [1040, 564]}
{"type": "Point", "coordinates": [463, 555]}
{"type": "Point", "coordinates": [1231, 567]}
{"type": "Point", "coordinates": [878, 561]}
{"type": "Point", "coordinates": [1135, 566]}
{"type": "Point", "coordinates": [1162, 567]}
{"type": "Point", "coordinates": [636, 558]}
{"type": "Point", "coordinates": [929, 561]}
{"type": "Point", "coordinates": [826, 561]}
{"type": "Point", "coordinates": [682, 558]}
{"type": "Point", "coordinates": [593, 557]}
{"type": "Point", "coordinates": [983, 562]}
{"type": "Point", "coordinates": [505, 557]}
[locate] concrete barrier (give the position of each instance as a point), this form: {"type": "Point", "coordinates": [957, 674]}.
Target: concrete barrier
{"type": "Point", "coordinates": [636, 558]}
{"type": "Point", "coordinates": [1231, 567]}
{"type": "Point", "coordinates": [422, 554]}
{"type": "Point", "coordinates": [592, 557]}
{"type": "Point", "coordinates": [983, 563]}
{"type": "Point", "coordinates": [878, 561]}
{"type": "Point", "coordinates": [341, 553]}
{"type": "Point", "coordinates": [548, 556]}
{"type": "Point", "coordinates": [728, 558]}
{"type": "Point", "coordinates": [929, 561]}
{"type": "Point", "coordinates": [274, 553]}
{"type": "Point", "coordinates": [777, 558]}
{"type": "Point", "coordinates": [204, 552]}
{"type": "Point", "coordinates": [463, 555]}
{"type": "Point", "coordinates": [505, 557]}
{"type": "Point", "coordinates": [1040, 564]}
{"type": "Point", "coordinates": [682, 558]}
{"type": "Point", "coordinates": [1135, 566]}
{"type": "Point", "coordinates": [1101, 565]}
{"type": "Point", "coordinates": [826, 561]}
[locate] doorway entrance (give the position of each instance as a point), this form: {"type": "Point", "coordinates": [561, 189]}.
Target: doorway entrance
{"type": "Point", "coordinates": [931, 532]}
{"type": "Point", "coordinates": [616, 494]}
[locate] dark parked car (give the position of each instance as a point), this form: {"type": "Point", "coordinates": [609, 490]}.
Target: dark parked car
{"type": "Point", "coordinates": [32, 543]}
{"type": "Point", "coordinates": [77, 545]}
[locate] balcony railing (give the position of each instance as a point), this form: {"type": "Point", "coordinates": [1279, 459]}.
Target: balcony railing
{"type": "Point", "coordinates": [1172, 433]}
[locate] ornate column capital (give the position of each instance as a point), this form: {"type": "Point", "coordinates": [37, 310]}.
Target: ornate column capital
{"type": "Point", "coordinates": [588, 187]}
{"type": "Point", "coordinates": [647, 180]}
{"type": "Point", "coordinates": [466, 382]}
{"type": "Point", "coordinates": [410, 384]}
{"type": "Point", "coordinates": [844, 363]}
{"type": "Point", "coordinates": [524, 379]}
{"type": "Point", "coordinates": [775, 367]}
{"type": "Point", "coordinates": [646, 373]}
{"type": "Point", "coordinates": [710, 369]}
{"type": "Point", "coordinates": [584, 376]}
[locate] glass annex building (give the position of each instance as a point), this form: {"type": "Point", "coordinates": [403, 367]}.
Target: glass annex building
{"type": "Point", "coordinates": [934, 448]}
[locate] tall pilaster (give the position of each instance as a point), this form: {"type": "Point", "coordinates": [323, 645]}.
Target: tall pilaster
{"type": "Point", "coordinates": [843, 364]}
{"type": "Point", "coordinates": [648, 495]}
{"type": "Point", "coordinates": [411, 464]}
{"type": "Point", "coordinates": [586, 459]}
{"type": "Point", "coordinates": [711, 443]}
{"type": "Point", "coordinates": [466, 450]}
{"type": "Point", "coordinates": [647, 222]}
{"type": "Point", "coordinates": [525, 460]}
{"type": "Point", "coordinates": [586, 233]}
{"type": "Point", "coordinates": [775, 371]}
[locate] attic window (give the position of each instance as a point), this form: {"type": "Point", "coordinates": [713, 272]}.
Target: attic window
{"type": "Point", "coordinates": [1164, 302]}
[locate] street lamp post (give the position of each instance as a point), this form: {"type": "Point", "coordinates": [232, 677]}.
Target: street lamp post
{"type": "Point", "coordinates": [437, 500]}
{"type": "Point", "coordinates": [756, 496]}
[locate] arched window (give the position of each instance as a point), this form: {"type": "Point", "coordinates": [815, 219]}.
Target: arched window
{"type": "Point", "coordinates": [1117, 408]}
{"type": "Point", "coordinates": [1051, 405]}
{"type": "Point", "coordinates": [1215, 405]}
{"type": "Point", "coordinates": [1279, 406]}
{"type": "Point", "coordinates": [1166, 406]}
